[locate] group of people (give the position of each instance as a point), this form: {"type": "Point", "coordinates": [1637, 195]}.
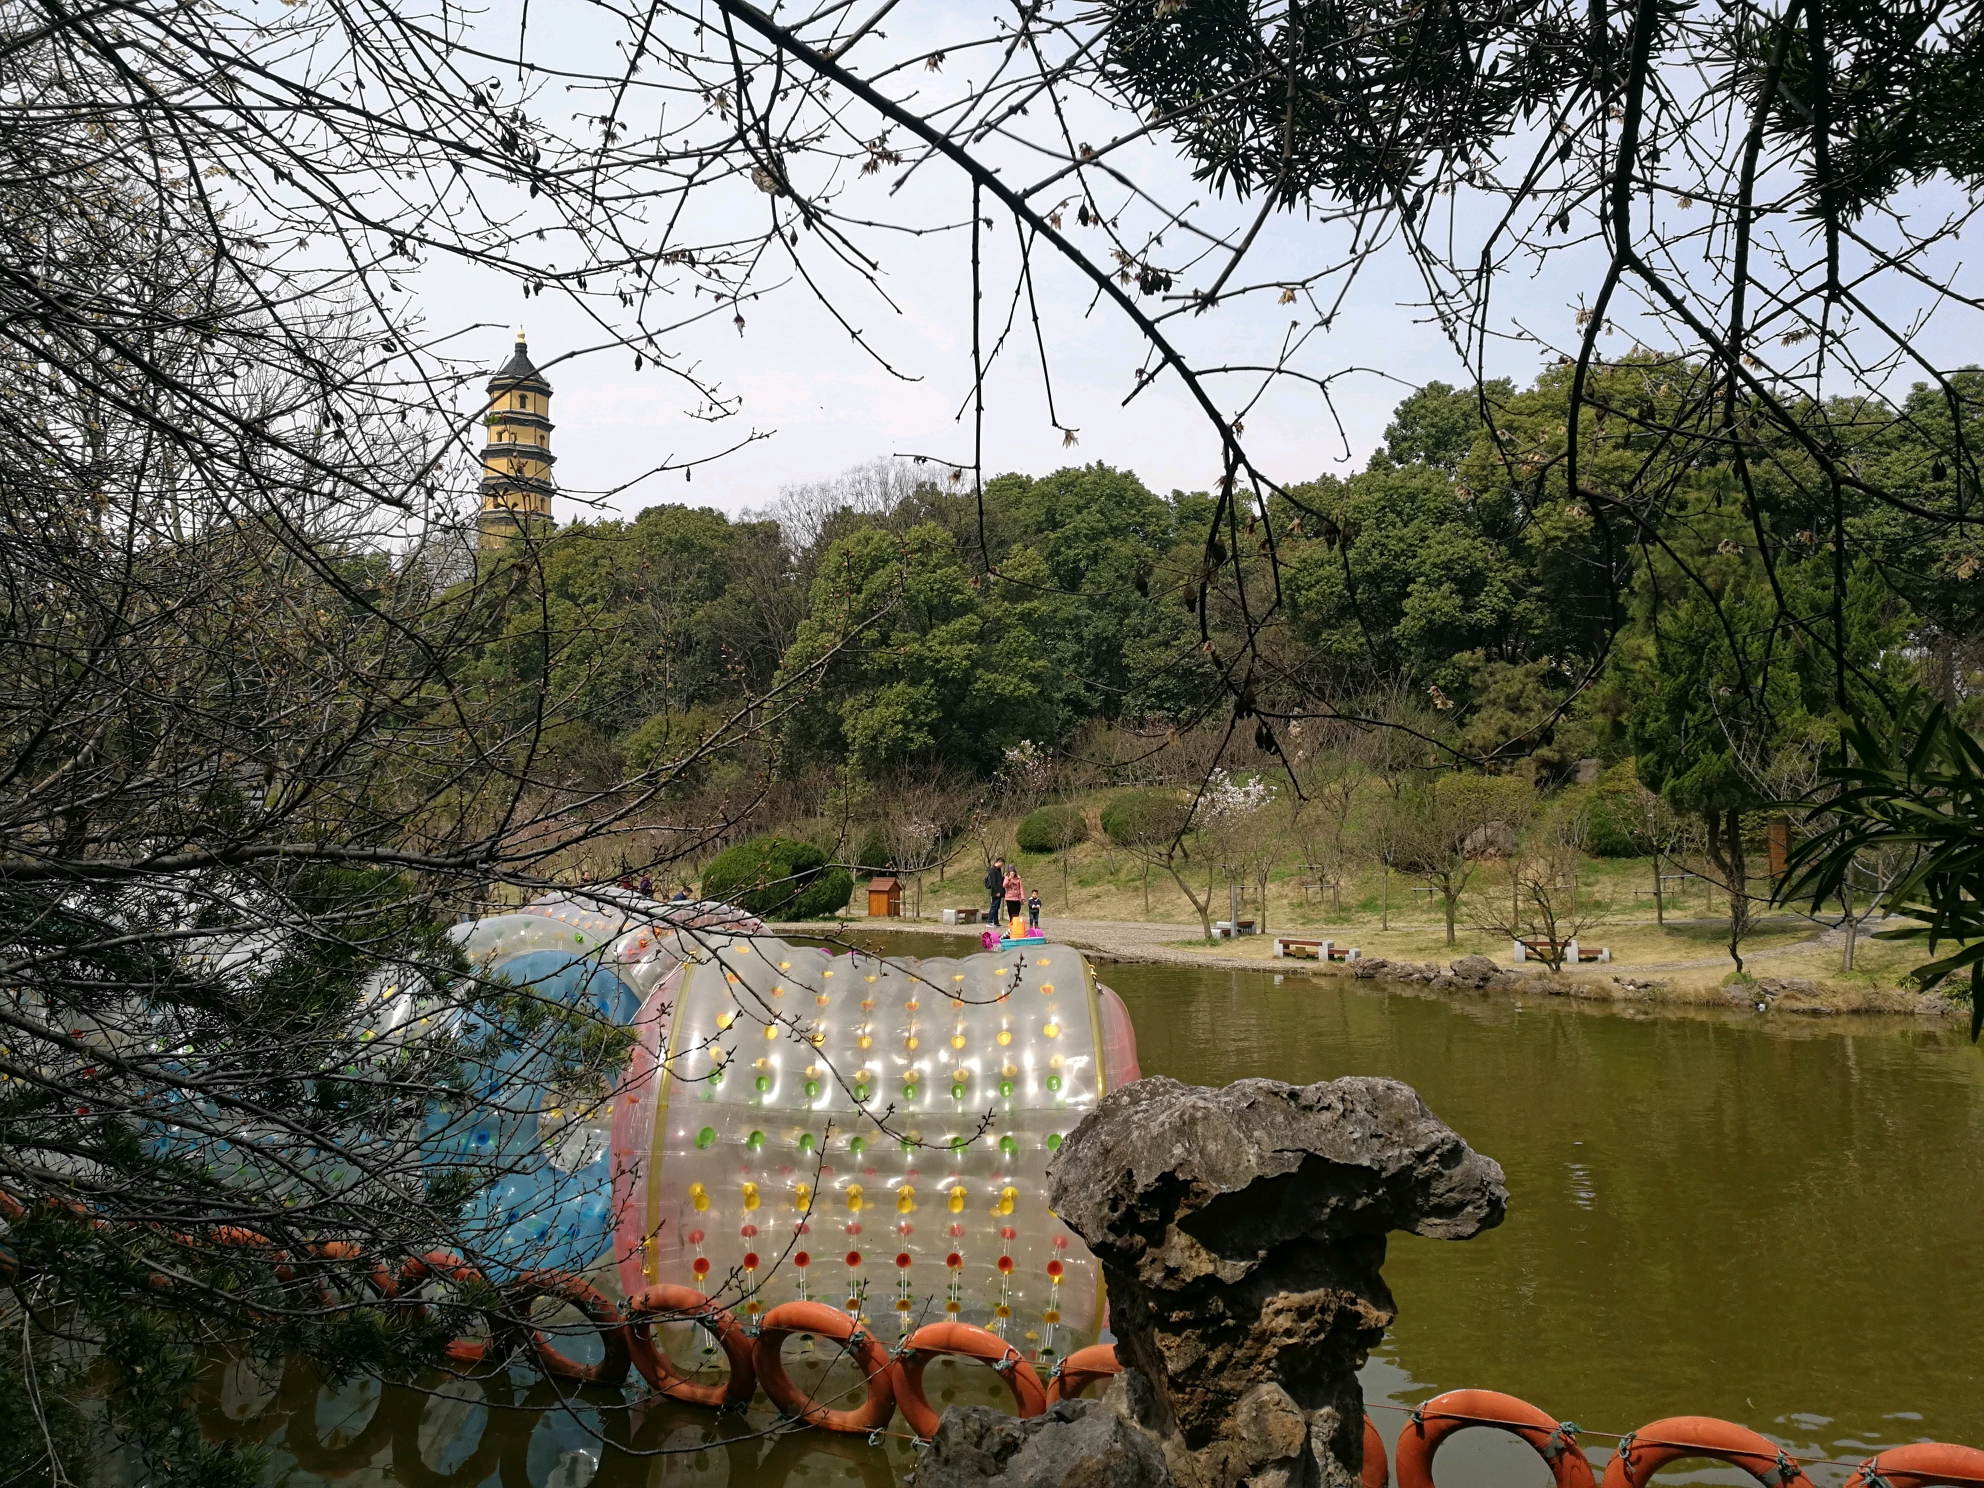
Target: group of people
{"type": "Point", "coordinates": [1002, 884]}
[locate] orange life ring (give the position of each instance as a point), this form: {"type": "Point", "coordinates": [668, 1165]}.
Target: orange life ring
{"type": "Point", "coordinates": [1081, 1369]}
{"type": "Point", "coordinates": [1644, 1452]}
{"type": "Point", "coordinates": [1443, 1415]}
{"type": "Point", "coordinates": [967, 1340]}
{"type": "Point", "coordinates": [688, 1304]}
{"type": "Point", "coordinates": [788, 1318]}
{"type": "Point", "coordinates": [1920, 1465]}
{"type": "Point", "coordinates": [598, 1310]}
{"type": "Point", "coordinates": [1375, 1474]}
{"type": "Point", "coordinates": [438, 1263]}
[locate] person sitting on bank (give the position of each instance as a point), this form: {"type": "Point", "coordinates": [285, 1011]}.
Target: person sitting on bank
{"type": "Point", "coordinates": [1015, 894]}
{"type": "Point", "coordinates": [1033, 910]}
{"type": "Point", "coordinates": [995, 887]}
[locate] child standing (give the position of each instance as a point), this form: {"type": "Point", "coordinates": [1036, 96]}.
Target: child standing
{"type": "Point", "coordinates": [1033, 910]}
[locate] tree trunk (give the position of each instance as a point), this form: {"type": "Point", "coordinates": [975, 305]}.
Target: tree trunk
{"type": "Point", "coordinates": [1659, 913]}
{"type": "Point", "coordinates": [1449, 895]}
{"type": "Point", "coordinates": [1385, 900]}
{"type": "Point", "coordinates": [1725, 850]}
{"type": "Point", "coordinates": [1203, 910]}
{"type": "Point", "coordinates": [1851, 924]}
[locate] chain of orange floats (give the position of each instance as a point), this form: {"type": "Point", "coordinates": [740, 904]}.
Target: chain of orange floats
{"type": "Point", "coordinates": [893, 1379]}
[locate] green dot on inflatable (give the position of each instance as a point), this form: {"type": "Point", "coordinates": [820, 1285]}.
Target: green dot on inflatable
{"type": "Point", "coordinates": [1053, 1141]}
{"type": "Point", "coordinates": [1008, 1146]}
{"type": "Point", "coordinates": [805, 1141]}
{"type": "Point", "coordinates": [957, 1144]}
{"type": "Point", "coordinates": [861, 1092]}
{"type": "Point", "coordinates": [858, 1146]}
{"type": "Point", "coordinates": [812, 1088]}
{"type": "Point", "coordinates": [1006, 1088]}
{"type": "Point", "coordinates": [763, 1082]}
{"type": "Point", "coordinates": [905, 1145]}
{"type": "Point", "coordinates": [957, 1092]}
{"type": "Point", "coordinates": [1053, 1082]}
{"type": "Point", "coordinates": [755, 1140]}
{"type": "Point", "coordinates": [909, 1091]}
{"type": "Point", "coordinates": [706, 1136]}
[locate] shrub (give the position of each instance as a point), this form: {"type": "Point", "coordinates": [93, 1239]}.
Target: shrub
{"type": "Point", "coordinates": [1139, 817]}
{"type": "Point", "coordinates": [1052, 828]}
{"type": "Point", "coordinates": [777, 878]}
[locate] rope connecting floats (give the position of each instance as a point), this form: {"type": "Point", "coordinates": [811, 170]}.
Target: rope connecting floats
{"type": "Point", "coordinates": [1642, 1453]}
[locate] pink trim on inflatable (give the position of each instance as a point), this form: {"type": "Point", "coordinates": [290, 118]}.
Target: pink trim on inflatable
{"type": "Point", "coordinates": [1119, 1040]}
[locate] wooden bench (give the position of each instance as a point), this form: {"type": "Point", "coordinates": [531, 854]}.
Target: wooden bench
{"type": "Point", "coordinates": [1297, 948]}
{"type": "Point", "coordinates": [1571, 951]}
{"type": "Point", "coordinates": [1223, 929]}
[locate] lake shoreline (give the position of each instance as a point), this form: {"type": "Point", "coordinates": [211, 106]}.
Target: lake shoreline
{"type": "Point", "coordinates": [1648, 987]}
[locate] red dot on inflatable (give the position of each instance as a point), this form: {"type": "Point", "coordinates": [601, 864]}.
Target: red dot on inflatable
{"type": "Point", "coordinates": [800, 1258]}
{"type": "Point", "coordinates": [902, 1258]}
{"type": "Point", "coordinates": [702, 1266]}
{"type": "Point", "coordinates": [1008, 1233]}
{"type": "Point", "coordinates": [854, 1258]}
{"type": "Point", "coordinates": [749, 1232]}
{"type": "Point", "coordinates": [1005, 1265]}
{"type": "Point", "coordinates": [956, 1230]}
{"type": "Point", "coordinates": [954, 1260]}
{"type": "Point", "coordinates": [1060, 1242]}
{"type": "Point", "coordinates": [1053, 1269]}
{"type": "Point", "coordinates": [695, 1237]}
{"type": "Point", "coordinates": [750, 1260]}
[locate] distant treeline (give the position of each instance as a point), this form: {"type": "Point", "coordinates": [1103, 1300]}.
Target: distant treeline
{"type": "Point", "coordinates": [1703, 613]}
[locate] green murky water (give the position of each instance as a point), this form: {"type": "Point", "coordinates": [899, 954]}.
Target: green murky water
{"type": "Point", "coordinates": [1774, 1221]}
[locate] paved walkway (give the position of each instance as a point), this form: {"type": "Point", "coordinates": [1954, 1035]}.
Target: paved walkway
{"type": "Point", "coordinates": [1134, 940]}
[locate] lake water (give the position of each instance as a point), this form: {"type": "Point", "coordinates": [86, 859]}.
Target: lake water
{"type": "Point", "coordinates": [1775, 1221]}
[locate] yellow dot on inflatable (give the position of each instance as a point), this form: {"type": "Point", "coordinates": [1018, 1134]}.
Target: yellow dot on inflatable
{"type": "Point", "coordinates": [826, 973]}
{"type": "Point", "coordinates": [785, 966]}
{"type": "Point", "coordinates": [695, 1190]}
{"type": "Point", "coordinates": [957, 1041]}
{"type": "Point", "coordinates": [723, 1020]}
{"type": "Point", "coordinates": [1046, 988]}
{"type": "Point", "coordinates": [771, 1030]}
{"type": "Point", "coordinates": [821, 999]}
{"type": "Point", "coordinates": [1045, 961]}
{"type": "Point", "coordinates": [870, 977]}
{"type": "Point", "coordinates": [854, 1198]}
{"type": "Point", "coordinates": [863, 1042]}
{"type": "Point", "coordinates": [1053, 1061]}
{"type": "Point", "coordinates": [905, 1199]}
{"type": "Point", "coordinates": [1005, 1036]}
{"type": "Point", "coordinates": [1051, 1030]}
{"type": "Point", "coordinates": [778, 991]}
{"type": "Point", "coordinates": [954, 1201]}
{"type": "Point", "coordinates": [1009, 1069]}
{"type": "Point", "coordinates": [817, 1038]}
{"type": "Point", "coordinates": [750, 1192]}
{"type": "Point", "coordinates": [802, 1197]}
{"type": "Point", "coordinates": [1002, 1310]}
{"type": "Point", "coordinates": [910, 1042]}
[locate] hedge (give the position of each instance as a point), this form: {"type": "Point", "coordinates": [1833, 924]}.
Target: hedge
{"type": "Point", "coordinates": [1052, 828]}
{"type": "Point", "coordinates": [1140, 817]}
{"type": "Point", "coordinates": [777, 878]}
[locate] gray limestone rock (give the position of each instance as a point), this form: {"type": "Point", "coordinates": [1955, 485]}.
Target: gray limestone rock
{"type": "Point", "coordinates": [1241, 1232]}
{"type": "Point", "coordinates": [1077, 1444]}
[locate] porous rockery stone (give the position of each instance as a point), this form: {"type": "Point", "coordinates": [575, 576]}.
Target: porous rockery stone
{"type": "Point", "coordinates": [1241, 1232]}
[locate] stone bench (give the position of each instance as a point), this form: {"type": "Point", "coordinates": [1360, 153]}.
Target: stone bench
{"type": "Point", "coordinates": [1572, 953]}
{"type": "Point", "coordinates": [1298, 948]}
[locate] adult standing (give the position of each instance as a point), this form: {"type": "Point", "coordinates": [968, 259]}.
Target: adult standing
{"type": "Point", "coordinates": [995, 887]}
{"type": "Point", "coordinates": [1015, 895]}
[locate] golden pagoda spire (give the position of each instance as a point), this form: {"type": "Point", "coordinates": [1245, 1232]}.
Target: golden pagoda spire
{"type": "Point", "coordinates": [516, 454]}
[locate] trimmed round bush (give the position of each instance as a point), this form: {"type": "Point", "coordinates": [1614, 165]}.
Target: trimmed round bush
{"type": "Point", "coordinates": [1051, 828]}
{"type": "Point", "coordinates": [776, 878]}
{"type": "Point", "coordinates": [1139, 817]}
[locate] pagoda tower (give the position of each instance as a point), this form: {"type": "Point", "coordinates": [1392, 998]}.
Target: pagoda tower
{"type": "Point", "coordinates": [516, 457]}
